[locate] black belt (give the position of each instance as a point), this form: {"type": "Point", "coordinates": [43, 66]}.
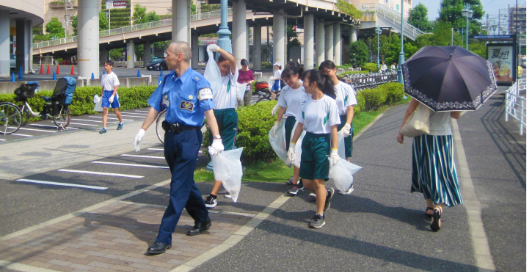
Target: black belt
{"type": "Point", "coordinates": [176, 127]}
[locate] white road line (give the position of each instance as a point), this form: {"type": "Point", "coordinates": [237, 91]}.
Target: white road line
{"type": "Point", "coordinates": [131, 164]}
{"type": "Point", "coordinates": [99, 173]}
{"type": "Point", "coordinates": [145, 111]}
{"type": "Point", "coordinates": [141, 156]}
{"type": "Point", "coordinates": [22, 135]}
{"type": "Point", "coordinates": [39, 125]}
{"type": "Point", "coordinates": [96, 121]}
{"type": "Point", "coordinates": [41, 130]}
{"type": "Point", "coordinates": [62, 184]}
{"type": "Point", "coordinates": [480, 244]}
{"type": "Point", "coordinates": [81, 124]}
{"type": "Point", "coordinates": [155, 149]}
{"type": "Point", "coordinates": [98, 117]}
{"type": "Point", "coordinates": [1, 140]}
{"type": "Point", "coordinates": [133, 113]}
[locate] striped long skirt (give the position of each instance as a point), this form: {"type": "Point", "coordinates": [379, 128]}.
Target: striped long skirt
{"type": "Point", "coordinates": [433, 169]}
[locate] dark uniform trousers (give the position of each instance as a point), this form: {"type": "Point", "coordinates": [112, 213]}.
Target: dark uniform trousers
{"type": "Point", "coordinates": [181, 152]}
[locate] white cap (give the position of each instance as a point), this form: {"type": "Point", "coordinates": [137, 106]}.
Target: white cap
{"type": "Point", "coordinates": [277, 64]}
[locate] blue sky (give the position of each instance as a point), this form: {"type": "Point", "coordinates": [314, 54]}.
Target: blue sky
{"type": "Point", "coordinates": [491, 7]}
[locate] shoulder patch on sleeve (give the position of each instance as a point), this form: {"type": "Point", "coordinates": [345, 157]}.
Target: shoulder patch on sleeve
{"type": "Point", "coordinates": [205, 93]}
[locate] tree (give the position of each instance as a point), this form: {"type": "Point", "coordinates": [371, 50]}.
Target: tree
{"type": "Point", "coordinates": [54, 27]}
{"type": "Point", "coordinates": [358, 53]}
{"type": "Point", "coordinates": [103, 23]}
{"type": "Point", "coordinates": [139, 16]}
{"type": "Point", "coordinates": [419, 18]}
{"type": "Point", "coordinates": [450, 11]}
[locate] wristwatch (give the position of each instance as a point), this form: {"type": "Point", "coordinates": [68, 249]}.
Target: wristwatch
{"type": "Point", "coordinates": [217, 137]}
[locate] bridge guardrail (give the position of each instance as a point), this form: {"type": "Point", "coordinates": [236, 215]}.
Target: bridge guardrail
{"type": "Point", "coordinates": [127, 29]}
{"type": "Point", "coordinates": [392, 16]}
{"type": "Point", "coordinates": [515, 104]}
{"type": "Point", "coordinates": [371, 80]}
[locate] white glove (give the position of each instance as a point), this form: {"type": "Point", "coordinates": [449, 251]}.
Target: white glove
{"type": "Point", "coordinates": [291, 152]}
{"type": "Point", "coordinates": [216, 147]}
{"type": "Point", "coordinates": [275, 109]}
{"type": "Point", "coordinates": [138, 139]}
{"type": "Point", "coordinates": [213, 48]}
{"type": "Point", "coordinates": [346, 130]}
{"type": "Point", "coordinates": [111, 98]}
{"type": "Point", "coordinates": [275, 128]}
{"type": "Point", "coordinates": [334, 157]}
{"type": "Point", "coordinates": [96, 99]}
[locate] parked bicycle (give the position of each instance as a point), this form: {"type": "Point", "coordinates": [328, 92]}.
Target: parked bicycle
{"type": "Point", "coordinates": [10, 118]}
{"type": "Point", "coordinates": [262, 90]}
{"type": "Point", "coordinates": [56, 106]}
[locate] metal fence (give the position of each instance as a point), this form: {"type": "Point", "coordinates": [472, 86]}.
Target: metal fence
{"type": "Point", "coordinates": [371, 80]}
{"type": "Point", "coordinates": [391, 16]}
{"type": "Point", "coordinates": [127, 29]}
{"type": "Point", "coordinates": [515, 103]}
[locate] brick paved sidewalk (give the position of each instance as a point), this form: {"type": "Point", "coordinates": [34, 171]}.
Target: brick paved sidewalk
{"type": "Point", "coordinates": [114, 238]}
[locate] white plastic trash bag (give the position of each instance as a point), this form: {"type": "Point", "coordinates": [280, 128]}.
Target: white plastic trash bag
{"type": "Point", "coordinates": [228, 169]}
{"type": "Point", "coordinates": [98, 103]}
{"type": "Point", "coordinates": [342, 174]}
{"type": "Point", "coordinates": [212, 73]}
{"type": "Point", "coordinates": [298, 148]}
{"type": "Point", "coordinates": [241, 89]}
{"type": "Point", "coordinates": [278, 143]}
{"type": "Point", "coordinates": [341, 145]}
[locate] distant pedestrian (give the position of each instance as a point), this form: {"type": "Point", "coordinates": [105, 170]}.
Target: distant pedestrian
{"type": "Point", "coordinates": [345, 100]}
{"type": "Point", "coordinates": [187, 97]}
{"type": "Point", "coordinates": [433, 168]}
{"type": "Point", "coordinates": [246, 75]}
{"type": "Point", "coordinates": [110, 97]}
{"type": "Point", "coordinates": [277, 75]}
{"type": "Point", "coordinates": [319, 118]}
{"type": "Point", "coordinates": [224, 111]}
{"type": "Point", "coordinates": [384, 67]}
{"type": "Point", "coordinates": [393, 66]}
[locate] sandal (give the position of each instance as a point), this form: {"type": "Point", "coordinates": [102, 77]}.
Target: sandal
{"type": "Point", "coordinates": [435, 225]}
{"type": "Point", "coordinates": [429, 215]}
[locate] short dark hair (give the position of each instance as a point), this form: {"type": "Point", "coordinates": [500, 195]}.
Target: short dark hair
{"type": "Point", "coordinates": [244, 62]}
{"type": "Point", "coordinates": [109, 62]}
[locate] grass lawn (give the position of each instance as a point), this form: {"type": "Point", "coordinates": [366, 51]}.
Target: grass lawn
{"type": "Point", "coordinates": [276, 171]}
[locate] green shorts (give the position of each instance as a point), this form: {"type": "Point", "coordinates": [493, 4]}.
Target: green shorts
{"type": "Point", "coordinates": [289, 125]}
{"type": "Point", "coordinates": [348, 141]}
{"type": "Point", "coordinates": [314, 162]}
{"type": "Point", "coordinates": [228, 125]}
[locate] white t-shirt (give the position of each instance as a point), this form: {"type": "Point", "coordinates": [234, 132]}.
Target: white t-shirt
{"type": "Point", "coordinates": [292, 99]}
{"type": "Point", "coordinates": [225, 98]}
{"type": "Point", "coordinates": [345, 97]}
{"type": "Point", "coordinates": [319, 115]}
{"type": "Point", "coordinates": [109, 81]}
{"type": "Point", "coordinates": [277, 74]}
{"type": "Point", "coordinates": [440, 123]}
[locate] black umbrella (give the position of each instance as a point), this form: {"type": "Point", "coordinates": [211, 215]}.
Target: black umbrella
{"type": "Point", "coordinates": [448, 78]}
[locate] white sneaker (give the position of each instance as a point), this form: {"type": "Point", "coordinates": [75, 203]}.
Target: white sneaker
{"type": "Point", "coordinates": [228, 195]}
{"type": "Point", "coordinates": [211, 202]}
{"type": "Point", "coordinates": [312, 196]}
{"type": "Point", "coordinates": [349, 191]}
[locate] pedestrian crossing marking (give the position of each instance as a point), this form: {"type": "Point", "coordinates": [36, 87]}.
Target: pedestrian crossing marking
{"type": "Point", "coordinates": [62, 184]}
{"type": "Point", "coordinates": [100, 173]}
{"type": "Point", "coordinates": [131, 164]}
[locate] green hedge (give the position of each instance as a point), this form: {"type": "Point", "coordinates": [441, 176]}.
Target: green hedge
{"type": "Point", "coordinates": [372, 67]}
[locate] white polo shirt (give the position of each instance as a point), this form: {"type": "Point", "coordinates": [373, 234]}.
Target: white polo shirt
{"type": "Point", "coordinates": [318, 116]}
{"type": "Point", "coordinates": [109, 81]}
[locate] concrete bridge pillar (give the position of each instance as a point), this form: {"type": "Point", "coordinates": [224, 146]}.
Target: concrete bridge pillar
{"type": "Point", "coordinates": [21, 45]}
{"type": "Point", "coordinates": [279, 37]}
{"type": "Point", "coordinates": [320, 45]}
{"type": "Point", "coordinates": [309, 41]}
{"type": "Point", "coordinates": [28, 49]}
{"type": "Point", "coordinates": [104, 57]}
{"type": "Point", "coordinates": [130, 54]}
{"type": "Point", "coordinates": [329, 43]}
{"type": "Point", "coordinates": [180, 20]}
{"type": "Point", "coordinates": [337, 51]}
{"type": "Point", "coordinates": [353, 34]}
{"type": "Point", "coordinates": [5, 58]}
{"type": "Point", "coordinates": [147, 53]}
{"type": "Point", "coordinates": [257, 47]}
{"type": "Point", "coordinates": [239, 37]}
{"type": "Point", "coordinates": [88, 39]}
{"type": "Point", "coordinates": [194, 47]}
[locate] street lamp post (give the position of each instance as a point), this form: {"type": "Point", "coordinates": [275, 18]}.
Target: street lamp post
{"type": "Point", "coordinates": [466, 12]}
{"type": "Point", "coordinates": [224, 42]}
{"type": "Point", "coordinates": [378, 31]}
{"type": "Point", "coordinates": [401, 54]}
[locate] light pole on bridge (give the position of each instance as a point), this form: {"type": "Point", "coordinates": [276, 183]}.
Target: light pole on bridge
{"type": "Point", "coordinates": [224, 42]}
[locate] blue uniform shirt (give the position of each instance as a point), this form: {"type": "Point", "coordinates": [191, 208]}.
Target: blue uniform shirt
{"type": "Point", "coordinates": [180, 97]}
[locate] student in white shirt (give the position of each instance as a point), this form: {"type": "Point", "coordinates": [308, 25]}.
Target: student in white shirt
{"type": "Point", "coordinates": [345, 101]}
{"type": "Point", "coordinates": [291, 99]}
{"type": "Point", "coordinates": [224, 109]}
{"type": "Point", "coordinates": [277, 75]}
{"type": "Point", "coordinates": [319, 118]}
{"type": "Point", "coordinates": [110, 98]}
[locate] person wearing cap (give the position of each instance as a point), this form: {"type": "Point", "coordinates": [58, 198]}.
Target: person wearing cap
{"type": "Point", "coordinates": [224, 110]}
{"type": "Point", "coordinates": [277, 75]}
{"type": "Point", "coordinates": [246, 76]}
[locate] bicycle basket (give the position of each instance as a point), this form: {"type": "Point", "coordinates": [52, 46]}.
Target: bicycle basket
{"type": "Point", "coordinates": [26, 90]}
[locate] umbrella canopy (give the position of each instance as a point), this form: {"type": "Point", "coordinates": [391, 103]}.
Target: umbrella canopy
{"type": "Point", "coordinates": [448, 78]}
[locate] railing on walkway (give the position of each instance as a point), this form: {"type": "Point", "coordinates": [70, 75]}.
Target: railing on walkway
{"type": "Point", "coordinates": [391, 16]}
{"type": "Point", "coordinates": [127, 29]}
{"type": "Point", "coordinates": [371, 80]}
{"type": "Point", "coordinates": [515, 103]}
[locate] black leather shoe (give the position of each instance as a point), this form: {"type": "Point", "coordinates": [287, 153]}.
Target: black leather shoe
{"type": "Point", "coordinates": [157, 248]}
{"type": "Point", "coordinates": [199, 228]}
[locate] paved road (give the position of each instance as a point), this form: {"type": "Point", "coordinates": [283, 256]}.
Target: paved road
{"type": "Point", "coordinates": [380, 227]}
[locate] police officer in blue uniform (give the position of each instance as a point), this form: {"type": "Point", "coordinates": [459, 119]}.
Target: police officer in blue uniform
{"type": "Point", "coordinates": [187, 96]}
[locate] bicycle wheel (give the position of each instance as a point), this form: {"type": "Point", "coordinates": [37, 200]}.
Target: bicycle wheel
{"type": "Point", "coordinates": [25, 114]}
{"type": "Point", "coordinates": [159, 128]}
{"type": "Point", "coordinates": [63, 119]}
{"type": "Point", "coordinates": [11, 118]}
{"type": "Point", "coordinates": [263, 98]}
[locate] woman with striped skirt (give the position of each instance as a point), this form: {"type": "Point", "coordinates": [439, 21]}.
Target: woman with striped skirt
{"type": "Point", "coordinates": [433, 168]}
